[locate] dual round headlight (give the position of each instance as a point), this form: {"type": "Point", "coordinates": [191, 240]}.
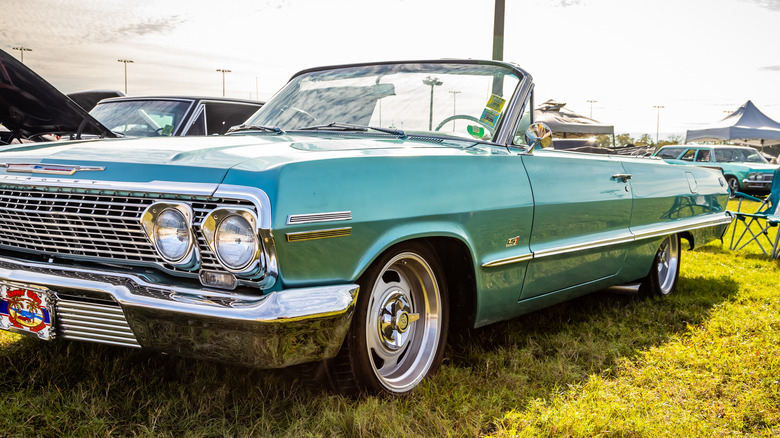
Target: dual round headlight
{"type": "Point", "coordinates": [235, 242]}
{"type": "Point", "coordinates": [168, 227]}
{"type": "Point", "coordinates": [172, 235]}
{"type": "Point", "coordinates": [231, 234]}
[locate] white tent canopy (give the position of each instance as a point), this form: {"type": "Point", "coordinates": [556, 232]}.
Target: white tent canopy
{"type": "Point", "coordinates": [568, 124]}
{"type": "Point", "coordinates": [747, 125]}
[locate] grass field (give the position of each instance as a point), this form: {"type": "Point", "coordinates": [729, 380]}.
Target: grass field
{"type": "Point", "coordinates": [704, 362]}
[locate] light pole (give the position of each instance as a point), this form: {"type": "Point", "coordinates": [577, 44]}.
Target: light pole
{"type": "Point", "coordinates": [21, 50]}
{"type": "Point", "coordinates": [223, 71]}
{"type": "Point", "coordinates": [125, 62]}
{"type": "Point", "coordinates": [591, 102]}
{"type": "Point", "coordinates": [657, 122]}
{"type": "Point", "coordinates": [454, 95]}
{"type": "Point", "coordinates": [433, 82]}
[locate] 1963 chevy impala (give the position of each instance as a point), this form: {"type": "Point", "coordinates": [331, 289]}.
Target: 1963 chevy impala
{"type": "Point", "coordinates": [355, 217]}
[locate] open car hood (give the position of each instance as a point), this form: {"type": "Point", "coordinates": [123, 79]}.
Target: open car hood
{"type": "Point", "coordinates": [31, 107]}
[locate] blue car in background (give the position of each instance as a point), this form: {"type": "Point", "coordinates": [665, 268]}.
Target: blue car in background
{"type": "Point", "coordinates": [745, 169]}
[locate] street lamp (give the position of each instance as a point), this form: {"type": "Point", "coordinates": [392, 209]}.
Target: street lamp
{"type": "Point", "coordinates": [591, 102]}
{"type": "Point", "coordinates": [433, 82]}
{"type": "Point", "coordinates": [125, 62]}
{"type": "Point", "coordinates": [454, 95]}
{"type": "Point", "coordinates": [657, 122]}
{"type": "Point", "coordinates": [21, 50]}
{"type": "Point", "coordinates": [223, 71]}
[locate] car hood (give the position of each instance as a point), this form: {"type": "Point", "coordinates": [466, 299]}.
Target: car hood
{"type": "Point", "coordinates": [204, 159]}
{"type": "Point", "coordinates": [30, 106]}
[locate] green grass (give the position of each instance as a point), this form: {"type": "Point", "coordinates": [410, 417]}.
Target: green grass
{"type": "Point", "coordinates": [704, 362]}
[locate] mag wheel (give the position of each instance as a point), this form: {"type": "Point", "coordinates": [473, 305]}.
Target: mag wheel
{"type": "Point", "coordinates": [399, 329]}
{"type": "Point", "coordinates": [662, 279]}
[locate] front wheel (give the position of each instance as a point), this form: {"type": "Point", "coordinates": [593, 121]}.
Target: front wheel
{"type": "Point", "coordinates": [399, 329]}
{"type": "Point", "coordinates": [662, 279]}
{"type": "Point", "coordinates": [733, 185]}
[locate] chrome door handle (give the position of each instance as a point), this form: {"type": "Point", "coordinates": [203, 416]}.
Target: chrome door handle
{"type": "Point", "coordinates": [624, 177]}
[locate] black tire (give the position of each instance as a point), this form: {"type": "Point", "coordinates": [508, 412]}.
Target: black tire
{"type": "Point", "coordinates": [733, 184]}
{"type": "Point", "coordinates": [399, 329]}
{"type": "Point", "coordinates": [665, 271]}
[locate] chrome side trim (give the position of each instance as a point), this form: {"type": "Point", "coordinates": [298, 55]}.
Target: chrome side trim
{"type": "Point", "coordinates": [626, 238]}
{"type": "Point", "coordinates": [509, 260]}
{"type": "Point", "coordinates": [656, 231]}
{"type": "Point", "coordinates": [320, 234]}
{"type": "Point", "coordinates": [687, 225]}
{"type": "Point", "coordinates": [310, 218]}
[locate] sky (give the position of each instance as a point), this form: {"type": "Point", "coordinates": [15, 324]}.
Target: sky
{"type": "Point", "coordinates": [699, 59]}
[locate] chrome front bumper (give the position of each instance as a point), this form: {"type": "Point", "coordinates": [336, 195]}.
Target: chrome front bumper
{"type": "Point", "coordinates": [757, 184]}
{"type": "Point", "coordinates": [275, 330]}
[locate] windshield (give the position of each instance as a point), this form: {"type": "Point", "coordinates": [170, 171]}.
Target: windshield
{"type": "Point", "coordinates": [141, 118]}
{"type": "Point", "coordinates": [738, 155]}
{"type": "Point", "coordinates": [466, 100]}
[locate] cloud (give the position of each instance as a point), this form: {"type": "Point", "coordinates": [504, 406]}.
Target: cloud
{"type": "Point", "coordinates": [151, 26]}
{"type": "Point", "coordinates": [772, 5]}
{"type": "Point", "coordinates": [770, 68]}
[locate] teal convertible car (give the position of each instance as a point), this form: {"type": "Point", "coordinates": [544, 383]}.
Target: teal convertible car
{"type": "Point", "coordinates": [349, 223]}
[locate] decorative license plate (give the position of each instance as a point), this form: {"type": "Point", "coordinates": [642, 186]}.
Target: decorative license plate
{"type": "Point", "coordinates": [26, 310]}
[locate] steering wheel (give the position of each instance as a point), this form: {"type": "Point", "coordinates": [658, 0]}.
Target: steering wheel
{"type": "Point", "coordinates": [489, 128]}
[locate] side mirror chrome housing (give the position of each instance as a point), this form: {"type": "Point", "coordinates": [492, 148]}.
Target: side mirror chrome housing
{"type": "Point", "coordinates": [538, 135]}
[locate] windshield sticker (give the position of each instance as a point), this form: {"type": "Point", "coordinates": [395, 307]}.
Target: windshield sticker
{"type": "Point", "coordinates": [489, 117]}
{"type": "Point", "coordinates": [476, 131]}
{"type": "Point", "coordinates": [496, 103]}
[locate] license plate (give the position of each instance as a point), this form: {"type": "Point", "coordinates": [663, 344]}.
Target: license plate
{"type": "Point", "coordinates": [27, 310]}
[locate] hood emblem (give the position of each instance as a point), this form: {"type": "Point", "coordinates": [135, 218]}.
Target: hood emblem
{"type": "Point", "coordinates": [54, 169]}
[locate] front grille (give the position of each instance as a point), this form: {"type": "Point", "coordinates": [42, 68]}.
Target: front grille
{"type": "Point", "coordinates": [100, 225]}
{"type": "Point", "coordinates": [83, 320]}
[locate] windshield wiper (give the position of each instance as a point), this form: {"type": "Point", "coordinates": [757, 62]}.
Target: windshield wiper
{"type": "Point", "coordinates": [242, 127]}
{"type": "Point", "coordinates": [336, 126]}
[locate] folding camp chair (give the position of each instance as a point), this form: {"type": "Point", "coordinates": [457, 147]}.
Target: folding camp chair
{"type": "Point", "coordinates": [765, 218]}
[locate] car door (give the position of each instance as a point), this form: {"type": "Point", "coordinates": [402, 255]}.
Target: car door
{"type": "Point", "coordinates": [582, 210]}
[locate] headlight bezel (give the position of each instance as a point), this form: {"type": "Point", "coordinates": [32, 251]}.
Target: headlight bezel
{"type": "Point", "coordinates": [149, 218]}
{"type": "Point", "coordinates": [210, 227]}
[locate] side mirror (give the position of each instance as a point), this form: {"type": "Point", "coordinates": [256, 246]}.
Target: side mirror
{"type": "Point", "coordinates": [538, 135]}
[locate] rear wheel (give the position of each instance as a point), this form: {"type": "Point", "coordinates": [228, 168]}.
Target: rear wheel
{"type": "Point", "coordinates": [399, 329]}
{"type": "Point", "coordinates": [662, 279]}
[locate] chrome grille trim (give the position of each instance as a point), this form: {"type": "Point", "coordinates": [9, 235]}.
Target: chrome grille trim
{"type": "Point", "coordinates": [125, 201]}
{"type": "Point", "coordinates": [93, 322]}
{"type": "Point", "coordinates": [101, 225]}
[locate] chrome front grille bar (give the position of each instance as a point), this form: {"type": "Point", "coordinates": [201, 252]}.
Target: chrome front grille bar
{"type": "Point", "coordinates": [94, 322]}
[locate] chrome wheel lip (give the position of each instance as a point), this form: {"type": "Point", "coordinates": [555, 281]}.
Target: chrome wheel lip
{"type": "Point", "coordinates": [406, 362]}
{"type": "Point", "coordinates": [668, 263]}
